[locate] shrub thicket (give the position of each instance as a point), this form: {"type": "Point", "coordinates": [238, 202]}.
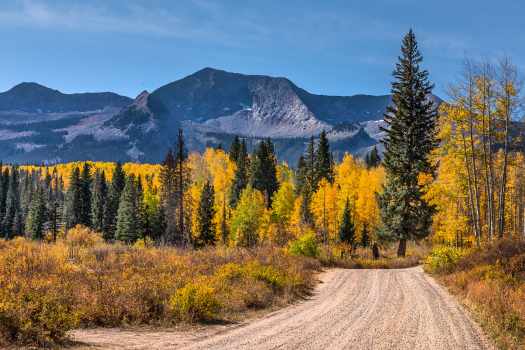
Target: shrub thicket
{"type": "Point", "coordinates": [48, 289]}
{"type": "Point", "coordinates": [491, 281]}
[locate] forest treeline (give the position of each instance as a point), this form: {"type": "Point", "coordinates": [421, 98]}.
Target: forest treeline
{"type": "Point", "coordinates": [194, 200]}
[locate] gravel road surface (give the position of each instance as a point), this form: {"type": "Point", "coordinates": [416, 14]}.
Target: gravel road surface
{"type": "Point", "coordinates": [350, 309]}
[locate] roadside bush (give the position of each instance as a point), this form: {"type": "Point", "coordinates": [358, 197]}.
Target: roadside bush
{"type": "Point", "coordinates": [491, 283]}
{"type": "Point", "coordinates": [48, 289]}
{"type": "Point", "coordinates": [34, 303]}
{"type": "Point", "coordinates": [443, 259]}
{"type": "Point", "coordinates": [195, 301]}
{"type": "Point", "coordinates": [306, 245]}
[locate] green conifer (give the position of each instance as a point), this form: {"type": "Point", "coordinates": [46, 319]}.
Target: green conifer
{"type": "Point", "coordinates": [99, 200]}
{"type": "Point", "coordinates": [74, 206]}
{"type": "Point", "coordinates": [85, 195]}
{"type": "Point", "coordinates": [37, 215]}
{"type": "Point", "coordinates": [127, 217]}
{"type": "Point", "coordinates": [347, 228]}
{"type": "Point", "coordinates": [324, 159]}
{"type": "Point", "coordinates": [206, 213]}
{"type": "Point", "coordinates": [263, 170]}
{"type": "Point", "coordinates": [240, 180]}
{"type": "Point", "coordinates": [118, 183]}
{"type": "Point", "coordinates": [410, 137]}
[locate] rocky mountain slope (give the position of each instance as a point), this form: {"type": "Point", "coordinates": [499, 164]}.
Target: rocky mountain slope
{"type": "Point", "coordinates": [38, 124]}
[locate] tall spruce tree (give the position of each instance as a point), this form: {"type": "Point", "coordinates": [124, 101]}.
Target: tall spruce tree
{"type": "Point", "coordinates": [168, 200]}
{"type": "Point", "coordinates": [85, 195]}
{"type": "Point", "coordinates": [74, 206]}
{"type": "Point", "coordinates": [324, 159]}
{"type": "Point", "coordinates": [410, 137]}
{"type": "Point", "coordinates": [264, 171]}
{"type": "Point", "coordinates": [12, 223]}
{"type": "Point", "coordinates": [37, 215]}
{"type": "Point", "coordinates": [127, 217]}
{"type": "Point", "coordinates": [4, 187]}
{"type": "Point", "coordinates": [347, 228]}
{"type": "Point", "coordinates": [118, 183]}
{"type": "Point", "coordinates": [312, 178]}
{"type": "Point", "coordinates": [240, 180]}
{"type": "Point", "coordinates": [206, 213]}
{"type": "Point", "coordinates": [98, 201]}
{"type": "Point", "coordinates": [182, 183]}
{"type": "Point", "coordinates": [300, 175]}
{"type": "Point", "coordinates": [142, 221]}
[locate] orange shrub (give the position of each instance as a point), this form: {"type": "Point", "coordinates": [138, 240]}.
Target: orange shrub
{"type": "Point", "coordinates": [48, 289]}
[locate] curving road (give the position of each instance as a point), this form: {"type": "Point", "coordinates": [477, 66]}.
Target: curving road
{"type": "Point", "coordinates": [351, 309]}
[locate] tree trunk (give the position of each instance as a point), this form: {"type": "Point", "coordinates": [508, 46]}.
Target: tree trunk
{"type": "Point", "coordinates": [402, 248]}
{"type": "Point", "coordinates": [375, 251]}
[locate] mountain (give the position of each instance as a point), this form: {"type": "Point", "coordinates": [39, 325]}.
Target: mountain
{"type": "Point", "coordinates": [35, 98]}
{"type": "Point", "coordinates": [40, 124]}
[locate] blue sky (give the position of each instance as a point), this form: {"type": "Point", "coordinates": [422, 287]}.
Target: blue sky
{"type": "Point", "coordinates": [328, 47]}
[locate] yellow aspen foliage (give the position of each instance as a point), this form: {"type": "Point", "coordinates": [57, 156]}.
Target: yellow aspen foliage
{"type": "Point", "coordinates": [247, 218]}
{"type": "Point", "coordinates": [366, 206]}
{"type": "Point", "coordinates": [214, 166]}
{"type": "Point", "coordinates": [297, 228]}
{"type": "Point", "coordinates": [281, 213]}
{"type": "Point", "coordinates": [283, 203]}
{"type": "Point", "coordinates": [325, 210]}
{"type": "Point", "coordinates": [347, 175]}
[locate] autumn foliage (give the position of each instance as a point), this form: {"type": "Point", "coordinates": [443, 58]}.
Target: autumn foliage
{"type": "Point", "coordinates": [48, 289]}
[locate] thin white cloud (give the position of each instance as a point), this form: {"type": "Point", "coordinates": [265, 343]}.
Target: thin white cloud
{"type": "Point", "coordinates": [134, 19]}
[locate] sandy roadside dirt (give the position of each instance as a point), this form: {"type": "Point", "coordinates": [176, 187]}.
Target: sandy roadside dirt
{"type": "Point", "coordinates": [350, 309]}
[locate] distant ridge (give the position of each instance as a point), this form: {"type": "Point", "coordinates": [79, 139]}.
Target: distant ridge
{"type": "Point", "coordinates": [41, 124]}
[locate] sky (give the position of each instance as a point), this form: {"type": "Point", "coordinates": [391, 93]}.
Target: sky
{"type": "Point", "coordinates": [327, 47]}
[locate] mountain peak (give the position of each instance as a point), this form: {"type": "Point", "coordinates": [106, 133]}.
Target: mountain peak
{"type": "Point", "coordinates": [141, 101]}
{"type": "Point", "coordinates": [26, 87]}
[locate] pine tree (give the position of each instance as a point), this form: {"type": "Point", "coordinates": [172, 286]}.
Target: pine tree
{"type": "Point", "coordinates": [37, 215]}
{"type": "Point", "coordinates": [183, 179]}
{"type": "Point", "coordinates": [74, 206]}
{"type": "Point", "coordinates": [410, 137]}
{"type": "Point", "coordinates": [324, 159]}
{"type": "Point", "coordinates": [85, 195]}
{"type": "Point", "coordinates": [300, 176]}
{"type": "Point", "coordinates": [311, 175]}
{"type": "Point", "coordinates": [263, 170]}
{"type": "Point", "coordinates": [55, 204]}
{"type": "Point", "coordinates": [142, 219]}
{"type": "Point", "coordinates": [12, 223]}
{"type": "Point", "coordinates": [99, 200]}
{"type": "Point", "coordinates": [118, 183]}
{"type": "Point", "coordinates": [168, 200]}
{"type": "Point", "coordinates": [347, 228]}
{"type": "Point", "coordinates": [4, 187]}
{"type": "Point", "coordinates": [127, 217]}
{"type": "Point", "coordinates": [206, 213]}
{"type": "Point", "coordinates": [240, 180]}
{"type": "Point", "coordinates": [235, 149]}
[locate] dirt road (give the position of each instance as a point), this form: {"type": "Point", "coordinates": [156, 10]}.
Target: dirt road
{"type": "Point", "coordinates": [351, 309]}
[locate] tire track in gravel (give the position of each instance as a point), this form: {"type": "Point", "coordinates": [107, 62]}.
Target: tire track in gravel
{"type": "Point", "coordinates": [351, 309]}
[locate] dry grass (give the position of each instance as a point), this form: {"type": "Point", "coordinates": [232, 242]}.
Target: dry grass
{"type": "Point", "coordinates": [491, 282]}
{"type": "Point", "coordinates": [361, 258]}
{"type": "Point", "coordinates": [48, 289]}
